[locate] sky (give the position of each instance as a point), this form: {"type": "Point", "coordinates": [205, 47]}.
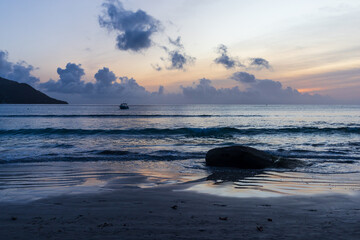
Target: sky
{"type": "Point", "coordinates": [167, 51]}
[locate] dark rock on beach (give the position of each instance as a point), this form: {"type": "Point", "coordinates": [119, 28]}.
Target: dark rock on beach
{"type": "Point", "coordinates": [246, 158]}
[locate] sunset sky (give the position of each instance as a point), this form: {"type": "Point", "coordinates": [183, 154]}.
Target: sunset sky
{"type": "Point", "coordinates": [311, 46]}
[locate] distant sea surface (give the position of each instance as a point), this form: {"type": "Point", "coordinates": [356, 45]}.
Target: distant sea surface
{"type": "Point", "coordinates": [326, 137]}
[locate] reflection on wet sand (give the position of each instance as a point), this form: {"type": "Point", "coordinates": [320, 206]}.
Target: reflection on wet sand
{"type": "Point", "coordinates": [28, 182]}
{"type": "Point", "coordinates": [260, 183]}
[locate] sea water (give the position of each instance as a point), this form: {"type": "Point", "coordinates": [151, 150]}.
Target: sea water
{"type": "Point", "coordinates": [95, 141]}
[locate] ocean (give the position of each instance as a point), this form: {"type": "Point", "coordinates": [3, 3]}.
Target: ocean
{"type": "Point", "coordinates": [44, 148]}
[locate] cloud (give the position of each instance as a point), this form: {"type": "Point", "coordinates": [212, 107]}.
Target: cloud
{"type": "Point", "coordinates": [177, 58]}
{"type": "Point", "coordinates": [243, 77]}
{"type": "Point", "coordinates": [134, 29]}
{"type": "Point", "coordinates": [259, 63]}
{"type": "Point", "coordinates": [104, 80]}
{"type": "Point", "coordinates": [176, 42]}
{"type": "Point", "coordinates": [200, 91]}
{"type": "Point", "coordinates": [230, 62]}
{"type": "Point", "coordinates": [107, 88]}
{"type": "Point", "coordinates": [161, 90]}
{"type": "Point", "coordinates": [20, 71]}
{"type": "Point", "coordinates": [70, 80]}
{"type": "Point", "coordinates": [156, 67]}
{"type": "Point", "coordinates": [257, 92]}
{"type": "Point", "coordinates": [224, 58]}
{"type": "Point", "coordinates": [129, 86]}
{"type": "Point", "coordinates": [5, 66]}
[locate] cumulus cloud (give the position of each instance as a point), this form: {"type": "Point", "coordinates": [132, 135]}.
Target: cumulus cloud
{"type": "Point", "coordinates": [104, 80]}
{"type": "Point", "coordinates": [107, 88]}
{"type": "Point", "coordinates": [5, 65]}
{"type": "Point", "coordinates": [105, 77]}
{"type": "Point", "coordinates": [259, 63]}
{"type": "Point", "coordinates": [243, 77]}
{"type": "Point", "coordinates": [134, 29]}
{"type": "Point", "coordinates": [70, 80]}
{"type": "Point", "coordinates": [161, 90]}
{"type": "Point", "coordinates": [177, 58]}
{"type": "Point", "coordinates": [257, 92]}
{"type": "Point", "coordinates": [20, 71]}
{"type": "Point", "coordinates": [224, 58]}
{"type": "Point", "coordinates": [202, 90]}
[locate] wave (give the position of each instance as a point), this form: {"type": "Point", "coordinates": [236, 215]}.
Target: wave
{"type": "Point", "coordinates": [125, 116]}
{"type": "Point", "coordinates": [109, 155]}
{"type": "Point", "coordinates": [310, 157]}
{"type": "Point", "coordinates": [192, 132]}
{"type": "Point", "coordinates": [324, 157]}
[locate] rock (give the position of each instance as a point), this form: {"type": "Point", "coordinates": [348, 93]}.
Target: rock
{"type": "Point", "coordinates": [240, 157]}
{"type": "Point", "coordinates": [247, 158]}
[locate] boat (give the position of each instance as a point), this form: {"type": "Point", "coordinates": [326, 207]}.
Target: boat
{"type": "Point", "coordinates": [124, 106]}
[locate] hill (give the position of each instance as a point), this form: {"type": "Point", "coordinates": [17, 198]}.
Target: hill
{"type": "Point", "coordinates": [21, 93]}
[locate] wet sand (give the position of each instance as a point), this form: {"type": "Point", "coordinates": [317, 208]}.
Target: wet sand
{"type": "Point", "coordinates": [167, 212]}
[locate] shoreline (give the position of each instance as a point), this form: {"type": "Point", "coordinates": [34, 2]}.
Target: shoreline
{"type": "Point", "coordinates": [34, 181]}
{"type": "Point", "coordinates": [165, 213]}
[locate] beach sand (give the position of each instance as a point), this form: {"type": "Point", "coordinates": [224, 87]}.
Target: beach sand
{"type": "Point", "coordinates": [167, 212]}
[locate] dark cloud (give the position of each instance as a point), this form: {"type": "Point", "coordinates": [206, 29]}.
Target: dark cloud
{"type": "Point", "coordinates": [178, 60]}
{"type": "Point", "coordinates": [107, 88]}
{"type": "Point", "coordinates": [129, 85]}
{"type": "Point", "coordinates": [134, 29]}
{"type": "Point", "coordinates": [259, 63]}
{"type": "Point", "coordinates": [243, 77]}
{"type": "Point", "coordinates": [200, 93]}
{"type": "Point", "coordinates": [230, 62]}
{"type": "Point", "coordinates": [5, 65]}
{"type": "Point", "coordinates": [20, 71]}
{"type": "Point", "coordinates": [156, 67]}
{"type": "Point", "coordinates": [224, 58]}
{"type": "Point", "coordinates": [257, 92]}
{"type": "Point", "coordinates": [104, 80]}
{"type": "Point", "coordinates": [161, 90]}
{"type": "Point", "coordinates": [70, 81]}
{"type": "Point", "coordinates": [105, 76]}
{"type": "Point", "coordinates": [176, 42]}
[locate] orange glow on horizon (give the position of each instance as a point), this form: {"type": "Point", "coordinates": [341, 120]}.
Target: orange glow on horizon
{"type": "Point", "coordinates": [310, 90]}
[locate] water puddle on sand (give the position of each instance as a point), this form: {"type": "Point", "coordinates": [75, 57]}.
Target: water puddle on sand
{"type": "Point", "coordinates": [33, 181]}
{"type": "Point", "coordinates": [264, 184]}
{"type": "Point", "coordinates": [24, 182]}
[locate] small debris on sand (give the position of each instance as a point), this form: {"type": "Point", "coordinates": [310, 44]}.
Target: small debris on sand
{"type": "Point", "coordinates": [105, 224]}
{"type": "Point", "coordinates": [265, 205]}
{"type": "Point", "coordinates": [312, 210]}
{"type": "Point", "coordinates": [219, 205]}
{"type": "Point", "coordinates": [260, 228]}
